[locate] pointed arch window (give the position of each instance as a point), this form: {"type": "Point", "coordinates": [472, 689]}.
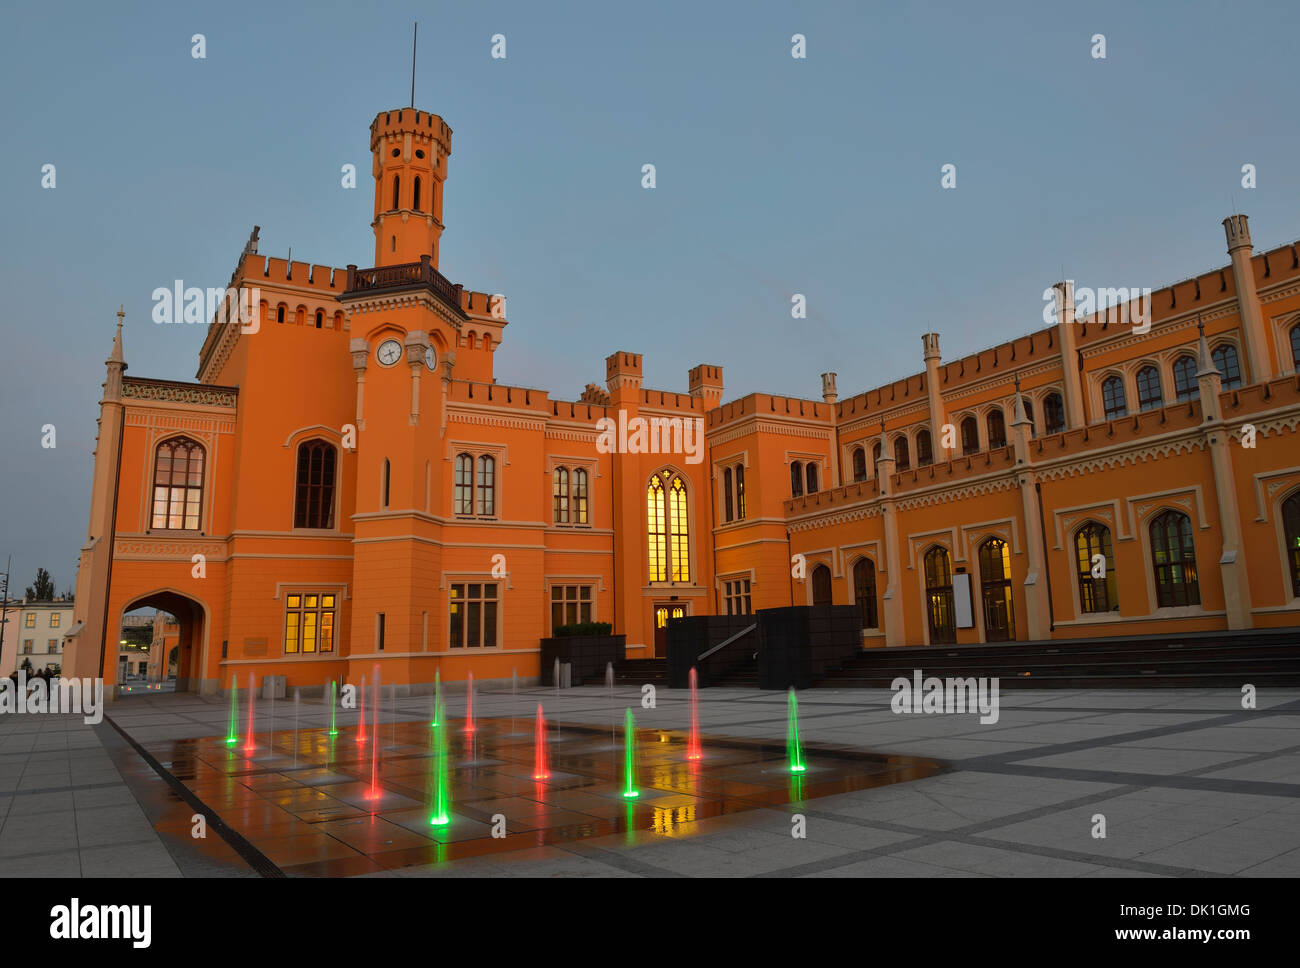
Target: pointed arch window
{"type": "Point", "coordinates": [415, 202]}
{"type": "Point", "coordinates": [1186, 386]}
{"type": "Point", "coordinates": [560, 494]}
{"type": "Point", "coordinates": [1053, 413]}
{"type": "Point", "coordinates": [821, 585]}
{"type": "Point", "coordinates": [668, 528]}
{"type": "Point", "coordinates": [995, 589]}
{"type": "Point", "coordinates": [902, 459]}
{"type": "Point", "coordinates": [796, 479]}
{"type": "Point", "coordinates": [1149, 394]}
{"type": "Point", "coordinates": [314, 495]}
{"type": "Point", "coordinates": [997, 426]}
{"type": "Point", "coordinates": [397, 191]}
{"type": "Point", "coordinates": [740, 492]}
{"type": "Point", "coordinates": [924, 448]}
{"type": "Point", "coordinates": [876, 451]}
{"type": "Point", "coordinates": [464, 484]}
{"type": "Point", "coordinates": [1173, 560]}
{"type": "Point", "coordinates": [1226, 362]}
{"type": "Point", "coordinates": [939, 598]}
{"type": "Point", "coordinates": [579, 495]}
{"type": "Point", "coordinates": [485, 491]}
{"type": "Point", "coordinates": [811, 474]}
{"type": "Point", "coordinates": [178, 484]}
{"type": "Point", "coordinates": [728, 499]}
{"type": "Point", "coordinates": [1095, 564]}
{"type": "Point", "coordinates": [864, 591]}
{"type": "Point", "coordinates": [970, 437]}
{"type": "Point", "coordinates": [1291, 532]}
{"type": "Point", "coordinates": [1295, 348]}
{"type": "Point", "coordinates": [1113, 400]}
{"type": "Point", "coordinates": [859, 464]}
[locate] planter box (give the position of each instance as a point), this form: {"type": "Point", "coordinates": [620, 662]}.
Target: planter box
{"type": "Point", "coordinates": [587, 655]}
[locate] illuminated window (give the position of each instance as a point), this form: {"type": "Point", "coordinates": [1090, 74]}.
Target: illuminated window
{"type": "Point", "coordinates": [995, 588]}
{"type": "Point", "coordinates": [314, 499]}
{"type": "Point", "coordinates": [1148, 384]}
{"type": "Point", "coordinates": [473, 615]}
{"type": "Point", "coordinates": [864, 591]}
{"type": "Point", "coordinates": [178, 484]}
{"type": "Point", "coordinates": [1097, 593]}
{"type": "Point", "coordinates": [668, 529]}
{"type": "Point", "coordinates": [679, 531]}
{"type": "Point", "coordinates": [939, 597]}
{"type": "Point", "coordinates": [570, 605]}
{"type": "Point", "coordinates": [736, 595]}
{"type": "Point", "coordinates": [1185, 385]}
{"type": "Point", "coordinates": [56, 619]}
{"type": "Point", "coordinates": [1225, 361]}
{"type": "Point", "coordinates": [657, 531]}
{"type": "Point", "coordinates": [579, 496]}
{"type": "Point", "coordinates": [309, 621]}
{"type": "Point", "coordinates": [1112, 398]}
{"type": "Point", "coordinates": [1173, 558]}
{"type": "Point", "coordinates": [29, 620]}
{"type": "Point", "coordinates": [560, 494]}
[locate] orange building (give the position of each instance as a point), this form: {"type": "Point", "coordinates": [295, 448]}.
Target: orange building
{"type": "Point", "coordinates": [346, 484]}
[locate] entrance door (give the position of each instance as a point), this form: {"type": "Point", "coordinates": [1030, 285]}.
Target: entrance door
{"type": "Point", "coordinates": [663, 612]}
{"type": "Point", "coordinates": [995, 584]}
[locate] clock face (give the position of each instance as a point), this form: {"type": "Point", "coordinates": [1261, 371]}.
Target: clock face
{"type": "Point", "coordinates": [431, 358]}
{"type": "Point", "coordinates": [389, 352]}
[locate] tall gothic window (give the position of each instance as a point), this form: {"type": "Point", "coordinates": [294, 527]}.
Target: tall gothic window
{"type": "Point", "coordinates": [560, 494]}
{"type": "Point", "coordinates": [1148, 384]}
{"type": "Point", "coordinates": [1112, 398]}
{"type": "Point", "coordinates": [728, 499]}
{"type": "Point", "coordinates": [1291, 531]}
{"type": "Point", "coordinates": [415, 204]}
{"type": "Point", "coordinates": [1098, 588]}
{"type": "Point", "coordinates": [1173, 558]}
{"type": "Point", "coordinates": [995, 588]}
{"type": "Point", "coordinates": [1185, 385]}
{"type": "Point", "coordinates": [1225, 360]}
{"type": "Point", "coordinates": [485, 491]}
{"type": "Point", "coordinates": [811, 472]}
{"type": "Point", "coordinates": [579, 496]}
{"type": "Point", "coordinates": [997, 429]}
{"type": "Point", "coordinates": [740, 492]}
{"type": "Point", "coordinates": [859, 464]}
{"type": "Point", "coordinates": [902, 459]}
{"type": "Point", "coordinates": [970, 437]}
{"type": "Point", "coordinates": [314, 496]}
{"type": "Point", "coordinates": [464, 498]}
{"type": "Point", "coordinates": [939, 598]}
{"type": "Point", "coordinates": [178, 484]}
{"type": "Point", "coordinates": [1053, 413]}
{"type": "Point", "coordinates": [796, 479]}
{"type": "Point", "coordinates": [864, 591]}
{"type": "Point", "coordinates": [668, 528]}
{"type": "Point", "coordinates": [397, 191]}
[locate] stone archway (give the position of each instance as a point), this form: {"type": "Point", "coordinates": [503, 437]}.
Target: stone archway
{"type": "Point", "coordinates": [191, 646]}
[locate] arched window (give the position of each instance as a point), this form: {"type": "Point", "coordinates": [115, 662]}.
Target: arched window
{"type": "Point", "coordinates": [279, 313]}
{"type": "Point", "coordinates": [924, 449]}
{"type": "Point", "coordinates": [579, 496]}
{"type": "Point", "coordinates": [397, 190]}
{"type": "Point", "coordinates": [821, 585]}
{"type": "Point", "coordinates": [997, 429]}
{"type": "Point", "coordinates": [314, 497]}
{"type": "Point", "coordinates": [1185, 385]}
{"type": "Point", "coordinates": [320, 318]}
{"type": "Point", "coordinates": [464, 497]}
{"type": "Point", "coordinates": [1173, 558]}
{"type": "Point", "coordinates": [668, 528]}
{"type": "Point", "coordinates": [864, 591]}
{"type": "Point", "coordinates": [415, 203]}
{"type": "Point", "coordinates": [1053, 413]}
{"type": "Point", "coordinates": [970, 437]}
{"type": "Point", "coordinates": [1225, 361]}
{"type": "Point", "coordinates": [1291, 530]}
{"type": "Point", "coordinates": [1112, 398]}
{"type": "Point", "coordinates": [657, 530]}
{"type": "Point", "coordinates": [902, 459]}
{"type": "Point", "coordinates": [1148, 384]}
{"type": "Point", "coordinates": [859, 464]}
{"type": "Point", "coordinates": [178, 484]}
{"type": "Point", "coordinates": [740, 492]}
{"type": "Point", "coordinates": [485, 498]}
{"type": "Point", "coordinates": [560, 494]}
{"type": "Point", "coordinates": [811, 473]}
{"type": "Point", "coordinates": [1095, 565]}
{"type": "Point", "coordinates": [1295, 347]}
{"type": "Point", "coordinates": [995, 589]}
{"type": "Point", "coordinates": [875, 456]}
{"type": "Point", "coordinates": [728, 500]}
{"type": "Point", "coordinates": [384, 480]}
{"type": "Point", "coordinates": [938, 594]}
{"type": "Point", "coordinates": [796, 479]}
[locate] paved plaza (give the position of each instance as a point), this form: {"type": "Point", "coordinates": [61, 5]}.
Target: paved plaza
{"type": "Point", "coordinates": [1188, 784]}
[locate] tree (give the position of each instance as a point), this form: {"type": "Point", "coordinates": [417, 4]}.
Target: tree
{"type": "Point", "coordinates": [43, 590]}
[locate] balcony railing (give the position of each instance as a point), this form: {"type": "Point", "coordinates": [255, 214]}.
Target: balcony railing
{"type": "Point", "coordinates": [408, 275]}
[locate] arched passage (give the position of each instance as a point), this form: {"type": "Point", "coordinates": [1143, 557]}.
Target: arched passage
{"type": "Point", "coordinates": [177, 649]}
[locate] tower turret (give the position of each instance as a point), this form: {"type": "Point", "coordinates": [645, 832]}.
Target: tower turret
{"type": "Point", "coordinates": [409, 150]}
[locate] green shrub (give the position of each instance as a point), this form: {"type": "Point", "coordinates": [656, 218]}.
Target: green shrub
{"type": "Point", "coordinates": [582, 628]}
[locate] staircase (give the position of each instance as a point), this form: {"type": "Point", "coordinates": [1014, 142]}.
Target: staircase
{"type": "Point", "coordinates": [1199, 659]}
{"type": "Point", "coordinates": [636, 672]}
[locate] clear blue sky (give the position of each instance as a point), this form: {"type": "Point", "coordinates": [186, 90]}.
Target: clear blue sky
{"type": "Point", "coordinates": [775, 176]}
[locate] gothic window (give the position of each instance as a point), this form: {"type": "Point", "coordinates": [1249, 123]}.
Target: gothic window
{"type": "Point", "coordinates": [178, 484]}
{"type": "Point", "coordinates": [796, 479]}
{"type": "Point", "coordinates": [997, 426]}
{"type": "Point", "coordinates": [1185, 385]}
{"type": "Point", "coordinates": [939, 597]}
{"type": "Point", "coordinates": [1053, 413]}
{"type": "Point", "coordinates": [970, 437]}
{"type": "Point", "coordinates": [1113, 399]}
{"type": "Point", "coordinates": [812, 477]}
{"type": "Point", "coordinates": [902, 459]}
{"type": "Point", "coordinates": [314, 495]}
{"type": "Point", "coordinates": [1097, 592]}
{"type": "Point", "coordinates": [924, 448]}
{"type": "Point", "coordinates": [560, 494]}
{"type": "Point", "coordinates": [1225, 360]}
{"type": "Point", "coordinates": [864, 591]}
{"type": "Point", "coordinates": [1148, 384]}
{"type": "Point", "coordinates": [859, 464]}
{"type": "Point", "coordinates": [821, 585]}
{"type": "Point", "coordinates": [1173, 559]}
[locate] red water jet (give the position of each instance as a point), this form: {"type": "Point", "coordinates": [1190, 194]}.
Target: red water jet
{"type": "Point", "coordinates": [693, 750]}
{"type": "Point", "coordinates": [541, 769]}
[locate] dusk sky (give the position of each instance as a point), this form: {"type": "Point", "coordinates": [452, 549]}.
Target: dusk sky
{"type": "Point", "coordinates": [775, 176]}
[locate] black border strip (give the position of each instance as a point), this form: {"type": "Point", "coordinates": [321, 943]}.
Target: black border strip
{"type": "Point", "coordinates": [250, 854]}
